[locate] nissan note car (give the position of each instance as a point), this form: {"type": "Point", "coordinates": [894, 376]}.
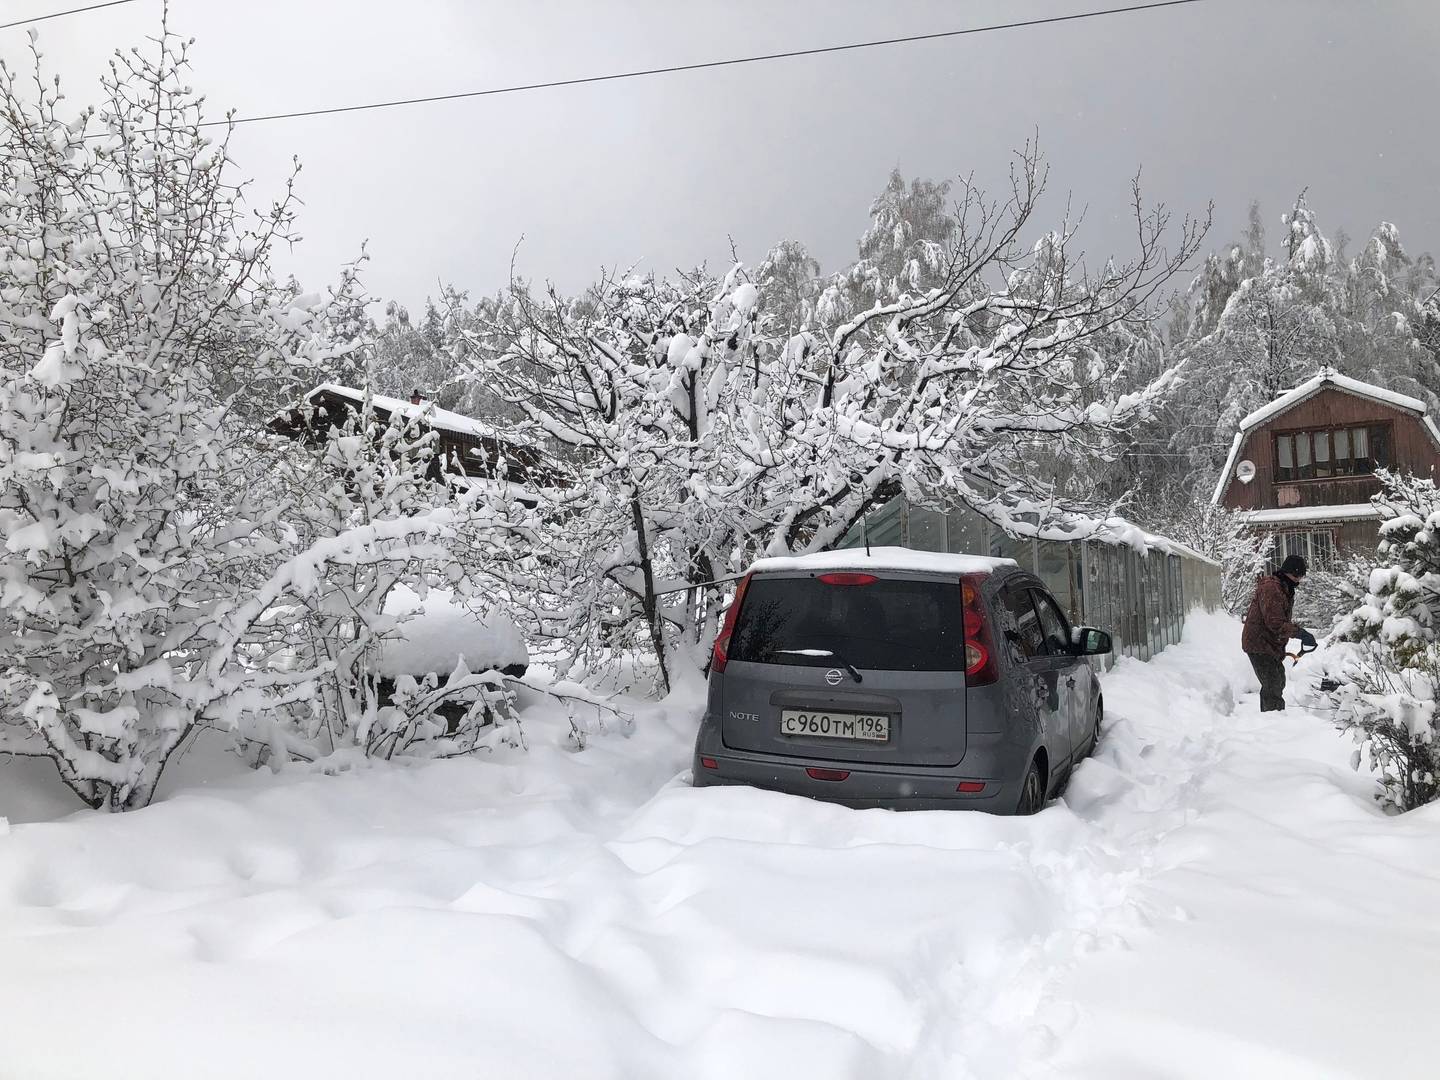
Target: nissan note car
{"type": "Point", "coordinates": [899, 679]}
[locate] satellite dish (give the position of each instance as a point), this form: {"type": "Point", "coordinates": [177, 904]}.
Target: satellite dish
{"type": "Point", "coordinates": [1245, 472]}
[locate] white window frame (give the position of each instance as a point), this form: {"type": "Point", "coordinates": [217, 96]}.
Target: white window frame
{"type": "Point", "coordinates": [1282, 544]}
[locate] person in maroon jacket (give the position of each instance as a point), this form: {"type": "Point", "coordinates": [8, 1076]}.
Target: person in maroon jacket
{"type": "Point", "coordinates": [1268, 628]}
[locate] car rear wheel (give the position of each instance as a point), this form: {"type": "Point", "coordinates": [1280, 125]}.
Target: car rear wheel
{"type": "Point", "coordinates": [1032, 792]}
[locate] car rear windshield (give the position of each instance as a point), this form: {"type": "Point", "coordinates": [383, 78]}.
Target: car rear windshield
{"type": "Point", "coordinates": [892, 624]}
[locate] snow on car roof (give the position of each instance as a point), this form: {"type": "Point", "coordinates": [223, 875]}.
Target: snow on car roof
{"type": "Point", "coordinates": [882, 558]}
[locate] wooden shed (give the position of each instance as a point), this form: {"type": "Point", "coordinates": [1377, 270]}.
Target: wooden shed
{"type": "Point", "coordinates": [1303, 467]}
{"type": "Point", "coordinates": [468, 446]}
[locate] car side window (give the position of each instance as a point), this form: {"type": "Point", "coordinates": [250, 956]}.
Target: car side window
{"type": "Point", "coordinates": [1053, 625]}
{"type": "Point", "coordinates": [1022, 630]}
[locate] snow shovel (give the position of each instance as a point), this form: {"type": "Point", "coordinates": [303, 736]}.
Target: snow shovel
{"type": "Point", "coordinates": [1305, 650]}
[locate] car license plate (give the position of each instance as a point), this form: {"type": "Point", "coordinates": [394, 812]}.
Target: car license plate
{"type": "Point", "coordinates": [833, 725]}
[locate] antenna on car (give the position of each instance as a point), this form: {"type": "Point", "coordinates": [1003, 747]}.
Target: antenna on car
{"type": "Point", "coordinates": [865, 532]}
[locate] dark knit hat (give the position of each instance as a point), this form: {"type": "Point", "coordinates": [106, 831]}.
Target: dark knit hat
{"type": "Point", "coordinates": [1293, 565]}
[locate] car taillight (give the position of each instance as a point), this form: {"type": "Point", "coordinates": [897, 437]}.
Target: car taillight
{"type": "Point", "coordinates": [718, 656]}
{"type": "Point", "coordinates": [970, 787]}
{"type": "Point", "coordinates": [828, 774]}
{"type": "Point", "coordinates": [980, 669]}
{"type": "Point", "coordinates": [848, 579]}
{"type": "Point", "coordinates": [709, 763]}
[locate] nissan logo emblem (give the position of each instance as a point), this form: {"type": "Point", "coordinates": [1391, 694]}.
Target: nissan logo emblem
{"type": "Point", "coordinates": [833, 676]}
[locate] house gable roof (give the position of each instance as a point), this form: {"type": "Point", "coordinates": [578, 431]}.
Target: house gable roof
{"type": "Point", "coordinates": [1309, 388]}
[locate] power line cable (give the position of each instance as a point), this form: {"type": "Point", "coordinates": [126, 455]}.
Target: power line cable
{"type": "Point", "coordinates": [700, 66]}
{"type": "Point", "coordinates": [60, 14]}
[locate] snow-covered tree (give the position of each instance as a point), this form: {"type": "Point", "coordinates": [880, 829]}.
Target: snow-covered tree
{"type": "Point", "coordinates": [790, 279]}
{"type": "Point", "coordinates": [409, 355]}
{"type": "Point", "coordinates": [1251, 326]}
{"type": "Point", "coordinates": [906, 248]}
{"type": "Point", "coordinates": [1222, 535]}
{"type": "Point", "coordinates": [1389, 686]}
{"type": "Point", "coordinates": [699, 440]}
{"type": "Point", "coordinates": [624, 385]}
{"type": "Point", "coordinates": [141, 331]}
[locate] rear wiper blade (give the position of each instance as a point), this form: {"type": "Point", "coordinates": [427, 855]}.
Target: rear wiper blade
{"type": "Point", "coordinates": [851, 668]}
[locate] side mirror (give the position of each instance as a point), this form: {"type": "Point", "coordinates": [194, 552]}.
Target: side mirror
{"type": "Point", "coordinates": [1092, 642]}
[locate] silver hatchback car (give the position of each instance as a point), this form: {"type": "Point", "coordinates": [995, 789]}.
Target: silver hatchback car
{"type": "Point", "coordinates": [900, 679]}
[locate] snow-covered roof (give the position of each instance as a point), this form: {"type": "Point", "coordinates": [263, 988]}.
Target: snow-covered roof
{"type": "Point", "coordinates": [1298, 514]}
{"type": "Point", "coordinates": [882, 558]}
{"type": "Point", "coordinates": [1314, 385]}
{"type": "Point", "coordinates": [443, 419]}
{"type": "Point", "coordinates": [1308, 389]}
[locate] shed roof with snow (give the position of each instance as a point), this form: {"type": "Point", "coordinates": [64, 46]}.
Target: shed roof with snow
{"type": "Point", "coordinates": [468, 446]}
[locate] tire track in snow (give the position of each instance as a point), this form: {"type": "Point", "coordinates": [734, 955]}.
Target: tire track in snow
{"type": "Point", "coordinates": [893, 945]}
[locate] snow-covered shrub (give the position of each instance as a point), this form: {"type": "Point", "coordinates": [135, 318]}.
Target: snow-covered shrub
{"type": "Point", "coordinates": [376, 522]}
{"type": "Point", "coordinates": [1331, 591]}
{"type": "Point", "coordinates": [141, 333]}
{"type": "Point", "coordinates": [1388, 688]}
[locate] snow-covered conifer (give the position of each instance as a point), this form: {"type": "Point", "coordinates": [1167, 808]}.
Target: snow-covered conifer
{"type": "Point", "coordinates": [1387, 698]}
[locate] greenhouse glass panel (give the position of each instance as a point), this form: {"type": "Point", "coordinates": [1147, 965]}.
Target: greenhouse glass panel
{"type": "Point", "coordinates": [926, 530]}
{"type": "Point", "coordinates": [967, 532]}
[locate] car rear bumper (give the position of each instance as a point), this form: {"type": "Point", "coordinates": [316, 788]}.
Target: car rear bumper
{"type": "Point", "coordinates": [988, 760]}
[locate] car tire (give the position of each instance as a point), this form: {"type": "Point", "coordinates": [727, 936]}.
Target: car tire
{"type": "Point", "coordinates": [1032, 792]}
{"type": "Point", "coordinates": [1095, 727]}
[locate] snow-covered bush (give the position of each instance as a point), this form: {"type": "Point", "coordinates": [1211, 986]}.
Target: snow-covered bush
{"type": "Point", "coordinates": [1389, 683]}
{"type": "Point", "coordinates": [1331, 590]}
{"type": "Point", "coordinates": [141, 332]}
{"type": "Point", "coordinates": [375, 520]}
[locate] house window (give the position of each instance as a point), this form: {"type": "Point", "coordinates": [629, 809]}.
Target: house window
{"type": "Point", "coordinates": [1315, 546]}
{"type": "Point", "coordinates": [1331, 452]}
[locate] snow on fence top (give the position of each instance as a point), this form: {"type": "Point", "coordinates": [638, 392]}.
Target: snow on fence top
{"type": "Point", "coordinates": [1115, 531]}
{"type": "Point", "coordinates": [882, 558]}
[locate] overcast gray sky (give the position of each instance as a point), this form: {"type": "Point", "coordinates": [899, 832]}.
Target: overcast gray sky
{"type": "Point", "coordinates": [1224, 100]}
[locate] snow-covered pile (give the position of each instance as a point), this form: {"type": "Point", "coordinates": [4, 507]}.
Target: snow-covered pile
{"type": "Point", "coordinates": [440, 629]}
{"type": "Point", "coordinates": [1216, 896]}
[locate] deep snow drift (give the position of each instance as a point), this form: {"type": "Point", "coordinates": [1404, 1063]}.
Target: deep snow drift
{"type": "Point", "coordinates": [1216, 895]}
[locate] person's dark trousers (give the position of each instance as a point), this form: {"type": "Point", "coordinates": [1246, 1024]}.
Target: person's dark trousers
{"type": "Point", "coordinates": [1270, 670]}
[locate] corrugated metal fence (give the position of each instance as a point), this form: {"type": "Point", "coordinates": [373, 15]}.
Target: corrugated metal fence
{"type": "Point", "coordinates": [1134, 585]}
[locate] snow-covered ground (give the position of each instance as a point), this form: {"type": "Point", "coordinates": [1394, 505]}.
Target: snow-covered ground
{"type": "Point", "coordinates": [1215, 896]}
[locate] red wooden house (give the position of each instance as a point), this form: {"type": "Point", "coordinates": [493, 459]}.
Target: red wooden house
{"type": "Point", "coordinates": [1303, 467]}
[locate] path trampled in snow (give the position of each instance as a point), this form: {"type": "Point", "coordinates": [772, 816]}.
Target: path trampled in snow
{"type": "Point", "coordinates": [590, 915]}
